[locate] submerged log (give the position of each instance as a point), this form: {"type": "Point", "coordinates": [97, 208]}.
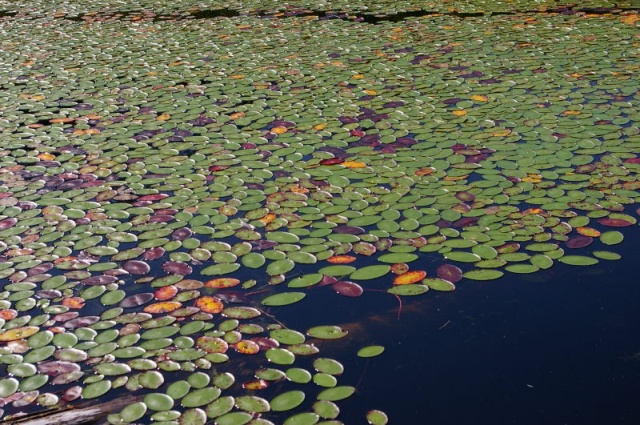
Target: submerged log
{"type": "Point", "coordinates": [81, 414]}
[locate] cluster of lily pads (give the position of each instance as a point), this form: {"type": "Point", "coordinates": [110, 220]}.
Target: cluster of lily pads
{"type": "Point", "coordinates": [166, 185]}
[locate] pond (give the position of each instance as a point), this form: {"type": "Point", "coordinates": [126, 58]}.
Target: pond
{"type": "Point", "coordinates": [334, 213]}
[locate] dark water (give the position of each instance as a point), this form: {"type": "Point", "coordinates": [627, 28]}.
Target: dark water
{"type": "Point", "coordinates": [556, 347]}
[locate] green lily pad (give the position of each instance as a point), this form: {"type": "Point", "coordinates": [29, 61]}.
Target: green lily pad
{"type": "Point", "coordinates": [408, 290]}
{"type": "Point", "coordinates": [326, 365]}
{"type": "Point", "coordinates": [280, 356]}
{"type": "Point", "coordinates": [327, 332]}
{"type": "Point", "coordinates": [287, 401]}
{"type": "Point", "coordinates": [158, 402]}
{"type": "Point", "coordinates": [486, 274]}
{"type": "Point", "coordinates": [370, 272]}
{"type": "Point", "coordinates": [134, 411]}
{"type": "Point", "coordinates": [377, 417]}
{"type": "Point", "coordinates": [337, 270]}
{"type": "Point", "coordinates": [96, 389]}
{"type": "Point", "coordinates": [253, 404]}
{"type": "Point", "coordinates": [578, 260]}
{"type": "Point", "coordinates": [611, 238]}
{"type": "Point", "coordinates": [400, 257]}
{"type": "Point", "coordinates": [253, 260]}
{"type": "Point", "coordinates": [280, 267]}
{"type": "Point", "coordinates": [606, 255]}
{"type": "Point", "coordinates": [287, 336]}
{"type": "Point", "coordinates": [307, 418]}
{"type": "Point", "coordinates": [336, 393]}
{"type": "Point", "coordinates": [463, 257]}
{"type": "Point", "coordinates": [305, 280]}
{"type": "Point", "coordinates": [200, 397]}
{"type": "Point", "coordinates": [438, 284]}
{"type": "Point", "coordinates": [282, 299]}
{"type": "Point", "coordinates": [298, 375]}
{"type": "Point", "coordinates": [326, 409]}
{"type": "Point", "coordinates": [370, 351]}
{"type": "Point", "coordinates": [220, 406]}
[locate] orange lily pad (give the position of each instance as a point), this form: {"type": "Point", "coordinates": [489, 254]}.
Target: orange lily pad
{"type": "Point", "coordinates": [410, 277]}
{"type": "Point", "coordinates": [246, 347]}
{"type": "Point", "coordinates": [162, 307]}
{"type": "Point", "coordinates": [354, 164]}
{"type": "Point", "coordinates": [258, 384]}
{"type": "Point", "coordinates": [209, 304]}
{"type": "Point", "coordinates": [74, 302]}
{"type": "Point", "coordinates": [424, 171]}
{"type": "Point", "coordinates": [18, 333]}
{"type": "Point", "coordinates": [222, 282]}
{"type": "Point", "coordinates": [165, 293]}
{"type": "Point", "coordinates": [8, 314]}
{"type": "Point", "coordinates": [212, 344]}
{"type": "Point", "coordinates": [279, 130]}
{"type": "Point", "coordinates": [588, 231]}
{"type": "Point", "coordinates": [341, 259]}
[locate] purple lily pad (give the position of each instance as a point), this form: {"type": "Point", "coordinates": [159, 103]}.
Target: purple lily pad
{"type": "Point", "coordinates": [153, 253]}
{"type": "Point", "coordinates": [449, 272]}
{"type": "Point", "coordinates": [99, 280]}
{"type": "Point", "coordinates": [137, 267]}
{"type": "Point", "coordinates": [348, 289]}
{"type": "Point", "coordinates": [327, 280]}
{"type": "Point", "coordinates": [579, 241]}
{"type": "Point", "coordinates": [81, 322]}
{"type": "Point", "coordinates": [181, 234]}
{"type": "Point", "coordinates": [177, 267]}
{"type": "Point", "coordinates": [55, 368]}
{"type": "Point", "coordinates": [136, 300]}
{"type": "Point", "coordinates": [350, 230]}
{"type": "Point", "coordinates": [8, 222]}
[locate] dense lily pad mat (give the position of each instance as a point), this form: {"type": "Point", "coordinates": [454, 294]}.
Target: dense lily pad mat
{"type": "Point", "coordinates": [168, 184]}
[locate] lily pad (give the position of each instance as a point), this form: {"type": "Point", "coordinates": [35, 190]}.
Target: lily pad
{"type": "Point", "coordinates": [337, 393]}
{"type": "Point", "coordinates": [370, 351]}
{"type": "Point", "coordinates": [282, 299]}
{"type": "Point", "coordinates": [327, 332]}
{"type": "Point", "coordinates": [287, 401]}
{"type": "Point", "coordinates": [370, 272]}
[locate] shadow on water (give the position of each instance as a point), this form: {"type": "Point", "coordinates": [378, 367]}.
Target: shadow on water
{"type": "Point", "coordinates": [558, 347]}
{"type": "Point", "coordinates": [369, 18]}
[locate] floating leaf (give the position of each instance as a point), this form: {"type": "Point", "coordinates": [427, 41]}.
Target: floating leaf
{"type": "Point", "coordinates": [246, 347]}
{"type": "Point", "coordinates": [336, 393]}
{"type": "Point", "coordinates": [348, 289]}
{"type": "Point", "coordinates": [327, 332]}
{"type": "Point", "coordinates": [282, 299]}
{"type": "Point", "coordinates": [253, 404]}
{"type": "Point", "coordinates": [377, 417]}
{"type": "Point", "coordinates": [370, 272]}
{"type": "Point", "coordinates": [287, 401]}
{"type": "Point", "coordinates": [18, 333]}
{"type": "Point", "coordinates": [449, 272]}
{"type": "Point", "coordinates": [222, 283]}
{"type": "Point", "coordinates": [438, 284]}
{"type": "Point", "coordinates": [371, 351]}
{"type": "Point", "coordinates": [488, 274]}
{"type": "Point", "coordinates": [611, 238]}
{"type": "Point", "coordinates": [337, 270]}
{"type": "Point", "coordinates": [209, 304]}
{"type": "Point", "coordinates": [578, 260]}
{"type": "Point", "coordinates": [408, 290]}
{"type": "Point", "coordinates": [162, 307]}
{"type": "Point", "coordinates": [280, 356]}
{"type": "Point", "coordinates": [341, 259]}
{"type": "Point", "coordinates": [410, 277]}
